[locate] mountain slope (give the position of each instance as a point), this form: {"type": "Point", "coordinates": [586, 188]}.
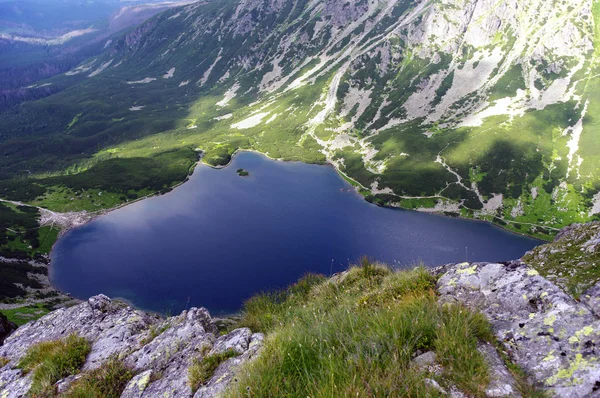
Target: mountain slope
{"type": "Point", "coordinates": [478, 107]}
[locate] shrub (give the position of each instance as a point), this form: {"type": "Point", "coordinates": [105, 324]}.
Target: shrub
{"type": "Point", "coordinates": [51, 361]}
{"type": "Point", "coordinates": [108, 381]}
{"type": "Point", "coordinates": [202, 369]}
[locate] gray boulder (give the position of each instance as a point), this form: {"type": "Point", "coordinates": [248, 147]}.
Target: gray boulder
{"type": "Point", "coordinates": [159, 350]}
{"type": "Point", "coordinates": [545, 331]}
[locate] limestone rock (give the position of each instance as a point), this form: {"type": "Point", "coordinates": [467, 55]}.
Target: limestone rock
{"type": "Point", "coordinates": [502, 383]}
{"type": "Point", "coordinates": [592, 299]}
{"type": "Point", "coordinates": [425, 361]}
{"type": "Point", "coordinates": [225, 373]}
{"type": "Point", "coordinates": [136, 386]}
{"type": "Point", "coordinates": [159, 350]}
{"type": "Point", "coordinates": [545, 331]}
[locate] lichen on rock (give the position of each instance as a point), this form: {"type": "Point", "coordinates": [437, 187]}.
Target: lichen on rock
{"type": "Point", "coordinates": [550, 335]}
{"type": "Point", "coordinates": [115, 329]}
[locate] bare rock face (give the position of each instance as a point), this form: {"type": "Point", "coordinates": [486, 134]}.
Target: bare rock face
{"type": "Point", "coordinates": [159, 350]}
{"type": "Point", "coordinates": [6, 328]}
{"type": "Point", "coordinates": [553, 337]}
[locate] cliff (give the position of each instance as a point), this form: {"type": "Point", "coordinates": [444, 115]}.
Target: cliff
{"type": "Point", "coordinates": [469, 329]}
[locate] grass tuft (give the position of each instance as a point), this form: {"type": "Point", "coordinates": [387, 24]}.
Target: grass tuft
{"type": "Point", "coordinates": [108, 381]}
{"type": "Point", "coordinates": [202, 369]}
{"type": "Point", "coordinates": [51, 361]}
{"type": "Point", "coordinates": [356, 335]}
{"type": "Point", "coordinates": [154, 332]}
{"type": "Point", "coordinates": [263, 311]}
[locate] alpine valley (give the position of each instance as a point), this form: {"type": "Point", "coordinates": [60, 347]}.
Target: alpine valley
{"type": "Point", "coordinates": [481, 109]}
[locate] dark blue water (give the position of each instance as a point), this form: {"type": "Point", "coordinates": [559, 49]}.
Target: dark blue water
{"type": "Point", "coordinates": [219, 238]}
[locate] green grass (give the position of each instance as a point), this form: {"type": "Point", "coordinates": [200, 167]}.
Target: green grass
{"type": "Point", "coordinates": [75, 120]}
{"type": "Point", "coordinates": [22, 315]}
{"type": "Point", "coordinates": [202, 369]}
{"type": "Point", "coordinates": [51, 361]}
{"type": "Point", "coordinates": [47, 236]}
{"type": "Point", "coordinates": [357, 336]}
{"type": "Point", "coordinates": [154, 332]}
{"type": "Point", "coordinates": [107, 381]}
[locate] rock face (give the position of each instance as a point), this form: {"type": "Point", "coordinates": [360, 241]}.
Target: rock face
{"type": "Point", "coordinates": [159, 350]}
{"type": "Point", "coordinates": [550, 335]}
{"type": "Point", "coordinates": [571, 261]}
{"type": "Point", "coordinates": [6, 328]}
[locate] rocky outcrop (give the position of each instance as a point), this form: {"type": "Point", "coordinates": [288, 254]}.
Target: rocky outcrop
{"type": "Point", "coordinates": [160, 351]}
{"type": "Point", "coordinates": [545, 331]}
{"type": "Point", "coordinates": [6, 328]}
{"type": "Point", "coordinates": [571, 260]}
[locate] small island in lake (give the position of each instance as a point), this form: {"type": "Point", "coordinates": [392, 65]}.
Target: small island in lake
{"type": "Point", "coordinates": [243, 172]}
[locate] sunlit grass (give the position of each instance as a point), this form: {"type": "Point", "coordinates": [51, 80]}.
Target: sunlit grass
{"type": "Point", "coordinates": [357, 336]}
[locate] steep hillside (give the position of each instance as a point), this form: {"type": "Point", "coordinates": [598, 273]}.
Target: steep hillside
{"type": "Point", "coordinates": [474, 107]}
{"type": "Point", "coordinates": [39, 40]}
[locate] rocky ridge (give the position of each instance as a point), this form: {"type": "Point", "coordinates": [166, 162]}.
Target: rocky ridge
{"type": "Point", "coordinates": [550, 335]}
{"type": "Point", "coordinates": [159, 350]}
{"type": "Point", "coordinates": [571, 260]}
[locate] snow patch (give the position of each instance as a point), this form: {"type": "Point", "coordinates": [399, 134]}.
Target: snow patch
{"type": "Point", "coordinates": [250, 122]}
{"type": "Point", "coordinates": [272, 118]}
{"type": "Point", "coordinates": [137, 108]}
{"type": "Point", "coordinates": [207, 73]}
{"type": "Point", "coordinates": [573, 143]}
{"type": "Point", "coordinates": [39, 86]}
{"type": "Point", "coordinates": [184, 83]}
{"type": "Point", "coordinates": [143, 81]}
{"type": "Point", "coordinates": [169, 74]}
{"type": "Point", "coordinates": [101, 69]}
{"type": "Point", "coordinates": [511, 106]}
{"type": "Point", "coordinates": [81, 69]}
{"type": "Point", "coordinates": [595, 205]}
{"type": "Point", "coordinates": [224, 117]}
{"type": "Point", "coordinates": [229, 95]}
